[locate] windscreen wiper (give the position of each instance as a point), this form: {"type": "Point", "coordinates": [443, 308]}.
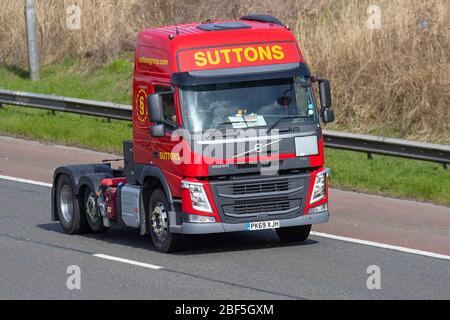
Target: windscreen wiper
{"type": "Point", "coordinates": [282, 119]}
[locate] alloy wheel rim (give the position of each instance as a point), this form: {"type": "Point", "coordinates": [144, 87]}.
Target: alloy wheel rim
{"type": "Point", "coordinates": [159, 221]}
{"type": "Point", "coordinates": [91, 208]}
{"type": "Point", "coordinates": [66, 203]}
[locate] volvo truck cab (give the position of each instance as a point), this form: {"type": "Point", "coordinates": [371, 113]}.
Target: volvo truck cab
{"type": "Point", "coordinates": [227, 137]}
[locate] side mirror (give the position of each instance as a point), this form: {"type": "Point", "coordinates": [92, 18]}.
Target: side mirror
{"type": "Point", "coordinates": [327, 115]}
{"type": "Point", "coordinates": [158, 130]}
{"type": "Point", "coordinates": [155, 108]}
{"type": "Point", "coordinates": [325, 93]}
{"type": "Point", "coordinates": [156, 114]}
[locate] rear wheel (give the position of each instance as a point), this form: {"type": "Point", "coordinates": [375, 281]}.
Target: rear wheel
{"type": "Point", "coordinates": [294, 234]}
{"type": "Point", "coordinates": [68, 207]}
{"type": "Point", "coordinates": [91, 211]}
{"type": "Point", "coordinates": [164, 240]}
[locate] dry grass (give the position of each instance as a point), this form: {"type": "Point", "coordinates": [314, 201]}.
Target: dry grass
{"type": "Point", "coordinates": [109, 27]}
{"type": "Point", "coordinates": [393, 81]}
{"type": "Point", "coordinates": [396, 79]}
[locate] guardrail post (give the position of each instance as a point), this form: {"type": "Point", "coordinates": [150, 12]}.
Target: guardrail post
{"type": "Point", "coordinates": [32, 42]}
{"type": "Point", "coordinates": [369, 156]}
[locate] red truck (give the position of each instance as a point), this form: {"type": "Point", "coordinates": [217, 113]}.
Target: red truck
{"type": "Point", "coordinates": [227, 137]}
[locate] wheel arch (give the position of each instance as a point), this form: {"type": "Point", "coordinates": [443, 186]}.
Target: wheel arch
{"type": "Point", "coordinates": [80, 176]}
{"type": "Point", "coordinates": [152, 177]}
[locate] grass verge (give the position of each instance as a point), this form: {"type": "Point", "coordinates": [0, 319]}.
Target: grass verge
{"type": "Point", "coordinates": [113, 82]}
{"type": "Point", "coordinates": [389, 176]}
{"type": "Point", "coordinates": [352, 171]}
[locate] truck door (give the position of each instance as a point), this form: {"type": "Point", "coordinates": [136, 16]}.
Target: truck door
{"type": "Point", "coordinates": [162, 147]}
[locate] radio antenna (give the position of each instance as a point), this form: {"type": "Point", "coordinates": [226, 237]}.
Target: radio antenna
{"type": "Point", "coordinates": [176, 28]}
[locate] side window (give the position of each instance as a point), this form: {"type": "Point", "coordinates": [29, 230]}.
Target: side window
{"type": "Point", "coordinates": [170, 113]}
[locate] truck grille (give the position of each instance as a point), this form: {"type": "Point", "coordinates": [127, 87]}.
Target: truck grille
{"type": "Point", "coordinates": [260, 187]}
{"type": "Point", "coordinates": [262, 206]}
{"type": "Point", "coordinates": [261, 198]}
{"type": "Point", "coordinates": [258, 199]}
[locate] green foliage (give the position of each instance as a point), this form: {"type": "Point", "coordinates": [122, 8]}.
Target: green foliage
{"type": "Point", "coordinates": [389, 176]}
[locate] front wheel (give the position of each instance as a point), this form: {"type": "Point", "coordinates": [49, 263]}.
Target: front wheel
{"type": "Point", "coordinates": [164, 240]}
{"type": "Point", "coordinates": [294, 234]}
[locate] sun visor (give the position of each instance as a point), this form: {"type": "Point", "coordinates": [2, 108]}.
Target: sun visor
{"type": "Point", "coordinates": [279, 71]}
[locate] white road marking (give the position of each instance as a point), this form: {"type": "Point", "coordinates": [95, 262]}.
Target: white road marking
{"type": "Point", "coordinates": [37, 183]}
{"type": "Point", "coordinates": [317, 234]}
{"type": "Point", "coordinates": [381, 245]}
{"type": "Point", "coordinates": [135, 263]}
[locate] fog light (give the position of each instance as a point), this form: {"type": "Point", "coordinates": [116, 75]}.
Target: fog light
{"type": "Point", "coordinates": [201, 219]}
{"type": "Point", "coordinates": [319, 209]}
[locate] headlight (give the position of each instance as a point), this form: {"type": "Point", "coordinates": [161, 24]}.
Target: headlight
{"type": "Point", "coordinates": [320, 187]}
{"type": "Point", "coordinates": [199, 199]}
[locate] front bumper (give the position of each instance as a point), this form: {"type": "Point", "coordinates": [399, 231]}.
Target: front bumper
{"type": "Point", "coordinates": [219, 227]}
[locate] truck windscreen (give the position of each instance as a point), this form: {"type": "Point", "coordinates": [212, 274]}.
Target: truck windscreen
{"type": "Point", "coordinates": [243, 105]}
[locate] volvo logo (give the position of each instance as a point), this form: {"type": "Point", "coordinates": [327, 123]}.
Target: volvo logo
{"type": "Point", "coordinates": [258, 148]}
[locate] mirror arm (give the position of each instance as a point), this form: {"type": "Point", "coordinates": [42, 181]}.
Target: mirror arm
{"type": "Point", "coordinates": [171, 124]}
{"type": "Point", "coordinates": [316, 79]}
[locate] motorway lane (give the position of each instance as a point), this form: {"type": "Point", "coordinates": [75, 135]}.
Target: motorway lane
{"type": "Point", "coordinates": [35, 254]}
{"type": "Point", "coordinates": [397, 222]}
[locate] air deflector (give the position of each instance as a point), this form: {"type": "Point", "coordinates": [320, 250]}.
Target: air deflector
{"type": "Point", "coordinates": [223, 26]}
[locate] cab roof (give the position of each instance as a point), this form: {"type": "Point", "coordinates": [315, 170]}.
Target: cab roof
{"type": "Point", "coordinates": [215, 33]}
{"type": "Point", "coordinates": [158, 49]}
{"type": "Point", "coordinates": [209, 26]}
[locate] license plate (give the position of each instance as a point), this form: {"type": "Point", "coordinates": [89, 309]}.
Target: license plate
{"type": "Point", "coordinates": [263, 225]}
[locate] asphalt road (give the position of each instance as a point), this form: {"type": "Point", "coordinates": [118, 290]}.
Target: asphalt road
{"type": "Point", "coordinates": [35, 255]}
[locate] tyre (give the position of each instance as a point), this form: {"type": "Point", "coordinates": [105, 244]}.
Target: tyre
{"type": "Point", "coordinates": [163, 240]}
{"type": "Point", "coordinates": [294, 234]}
{"type": "Point", "coordinates": [91, 212]}
{"type": "Point", "coordinates": [68, 207]}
